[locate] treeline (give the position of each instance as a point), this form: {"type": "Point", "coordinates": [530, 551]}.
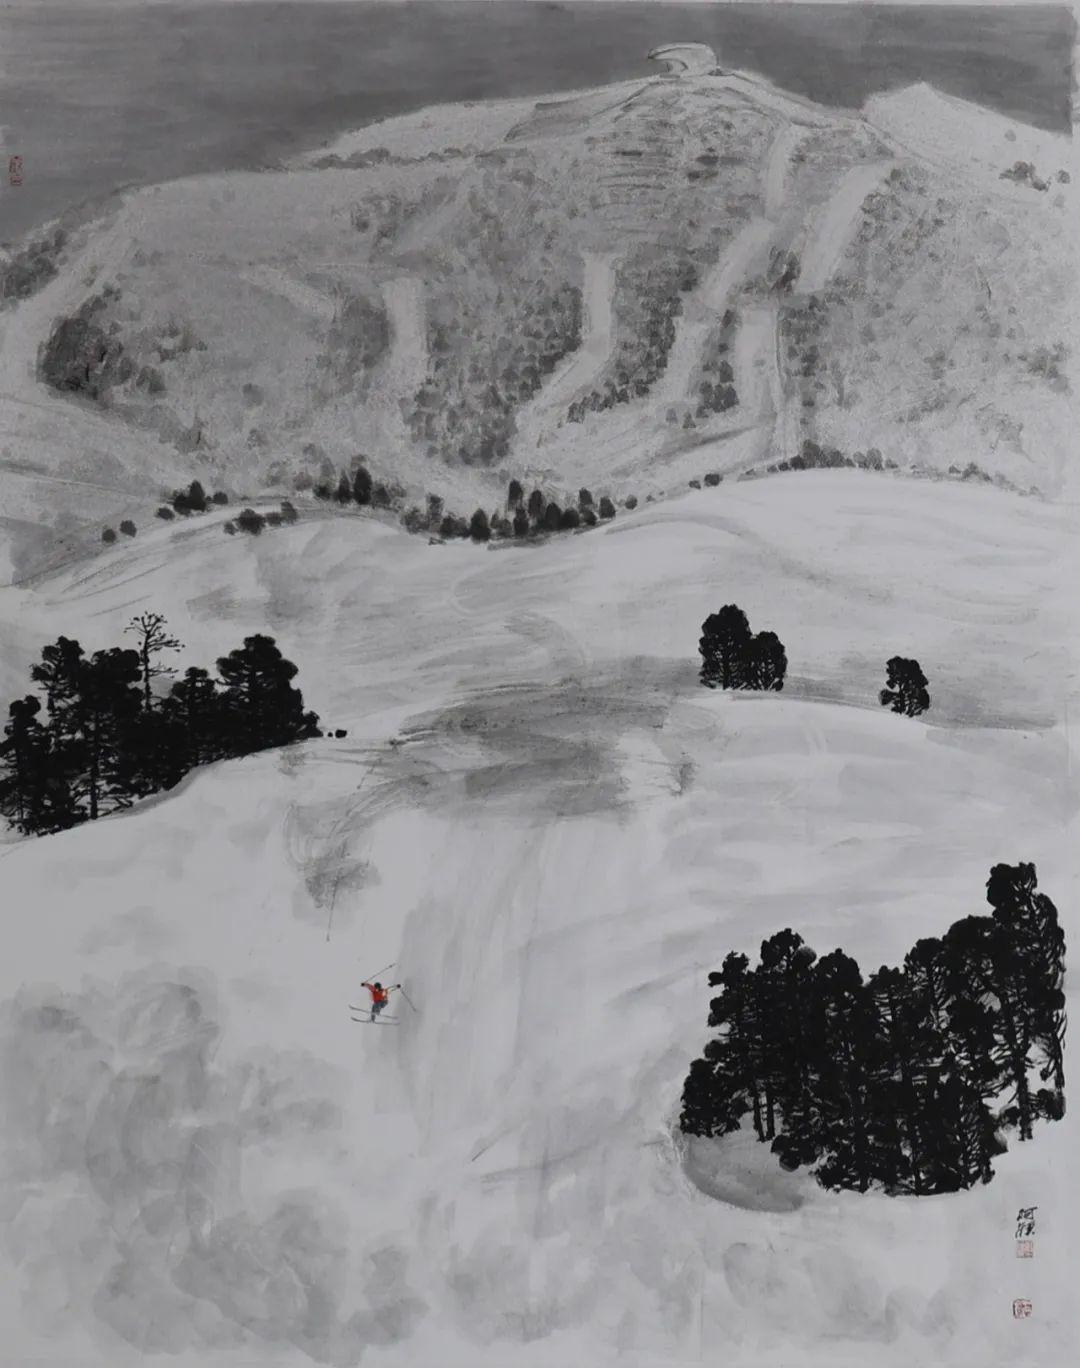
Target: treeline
{"type": "Point", "coordinates": [522, 516]}
{"type": "Point", "coordinates": [105, 737]}
{"type": "Point", "coordinates": [904, 1081]}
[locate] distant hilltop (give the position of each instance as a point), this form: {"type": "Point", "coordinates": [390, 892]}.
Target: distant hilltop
{"type": "Point", "coordinates": [685, 59]}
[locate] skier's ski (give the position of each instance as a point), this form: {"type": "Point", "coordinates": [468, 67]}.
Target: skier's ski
{"type": "Point", "coordinates": [379, 1021]}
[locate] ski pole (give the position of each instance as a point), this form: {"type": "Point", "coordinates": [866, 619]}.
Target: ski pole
{"type": "Point", "coordinates": [370, 977]}
{"type": "Point", "coordinates": [407, 998]}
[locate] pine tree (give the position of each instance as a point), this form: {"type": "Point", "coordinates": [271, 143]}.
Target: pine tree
{"type": "Point", "coordinates": [905, 690]}
{"type": "Point", "coordinates": [344, 492]}
{"type": "Point", "coordinates": [149, 752]}
{"type": "Point", "coordinates": [479, 528]}
{"type": "Point", "coordinates": [196, 497]}
{"type": "Point", "coordinates": [150, 632]}
{"type": "Point", "coordinates": [260, 706]}
{"type": "Point", "coordinates": [107, 698]}
{"type": "Point", "coordinates": [362, 485]}
{"type": "Point", "coordinates": [766, 663]}
{"type": "Point", "coordinates": [521, 523]}
{"type": "Point", "coordinates": [725, 639]}
{"type": "Point", "coordinates": [737, 1010]}
{"type": "Point", "coordinates": [536, 506]}
{"type": "Point", "coordinates": [58, 673]}
{"type": "Point", "coordinates": [911, 1048]}
{"type": "Point", "coordinates": [846, 1040]}
{"type": "Point", "coordinates": [1028, 921]}
{"type": "Point", "coordinates": [32, 799]}
{"type": "Point", "coordinates": [986, 993]}
{"type": "Point", "coordinates": [198, 711]}
{"type": "Point", "coordinates": [514, 496]}
{"type": "Point", "coordinates": [784, 992]}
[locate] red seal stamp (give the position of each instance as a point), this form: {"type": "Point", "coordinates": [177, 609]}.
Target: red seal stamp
{"type": "Point", "coordinates": [15, 170]}
{"type": "Point", "coordinates": [1021, 1308]}
{"type": "Point", "coordinates": [1025, 1249]}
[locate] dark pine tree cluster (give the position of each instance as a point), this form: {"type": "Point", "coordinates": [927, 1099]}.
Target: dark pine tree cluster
{"type": "Point", "coordinates": [105, 738]}
{"type": "Point", "coordinates": [904, 1081]}
{"type": "Point", "coordinates": [733, 657]}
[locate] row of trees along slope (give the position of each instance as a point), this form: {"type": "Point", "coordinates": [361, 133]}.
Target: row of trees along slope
{"type": "Point", "coordinates": [105, 737]}
{"type": "Point", "coordinates": [905, 1081]}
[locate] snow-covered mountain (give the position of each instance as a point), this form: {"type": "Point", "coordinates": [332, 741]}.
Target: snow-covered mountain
{"type": "Point", "coordinates": [622, 288]}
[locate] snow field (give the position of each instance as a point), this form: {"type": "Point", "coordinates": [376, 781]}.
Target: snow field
{"type": "Point", "coordinates": [570, 835]}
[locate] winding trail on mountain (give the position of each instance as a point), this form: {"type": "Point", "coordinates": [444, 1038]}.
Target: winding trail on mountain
{"type": "Point", "coordinates": [834, 224]}
{"type": "Point", "coordinates": [582, 367]}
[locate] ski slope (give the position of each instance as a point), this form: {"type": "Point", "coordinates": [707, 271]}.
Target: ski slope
{"type": "Point", "coordinates": [555, 834]}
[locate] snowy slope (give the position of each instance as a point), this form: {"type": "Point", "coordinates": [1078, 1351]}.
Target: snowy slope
{"type": "Point", "coordinates": [568, 835]}
{"type": "Point", "coordinates": [967, 139]}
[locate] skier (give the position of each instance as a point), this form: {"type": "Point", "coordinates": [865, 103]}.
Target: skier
{"type": "Point", "coordinates": [380, 996]}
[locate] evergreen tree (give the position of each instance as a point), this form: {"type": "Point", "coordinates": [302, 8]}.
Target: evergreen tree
{"type": "Point", "coordinates": [961, 1135]}
{"type": "Point", "coordinates": [725, 639]}
{"type": "Point", "coordinates": [149, 752]}
{"type": "Point", "coordinates": [247, 520]}
{"type": "Point", "coordinates": [106, 700]}
{"type": "Point", "coordinates": [1028, 922]}
{"type": "Point", "coordinates": [987, 1006]}
{"type": "Point", "coordinates": [196, 497]}
{"type": "Point", "coordinates": [552, 517]}
{"type": "Point", "coordinates": [362, 485]}
{"type": "Point", "coordinates": [585, 498]}
{"type": "Point", "coordinates": [607, 508]}
{"type": "Point", "coordinates": [521, 523]}
{"type": "Point", "coordinates": [32, 798]}
{"type": "Point", "coordinates": [766, 663]}
{"type": "Point", "coordinates": [570, 519]}
{"type": "Point", "coordinates": [905, 690]}
{"type": "Point", "coordinates": [911, 1053]}
{"type": "Point", "coordinates": [720, 1086]}
{"type": "Point", "coordinates": [784, 1003]}
{"type": "Point", "coordinates": [149, 630]}
{"type": "Point", "coordinates": [514, 496]}
{"type": "Point", "coordinates": [846, 1038]}
{"type": "Point", "coordinates": [260, 707]}
{"type": "Point", "coordinates": [58, 673]}
{"type": "Point", "coordinates": [198, 713]}
{"type": "Point", "coordinates": [344, 492]}
{"type": "Point", "coordinates": [479, 529]}
{"type": "Point", "coordinates": [536, 506]}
